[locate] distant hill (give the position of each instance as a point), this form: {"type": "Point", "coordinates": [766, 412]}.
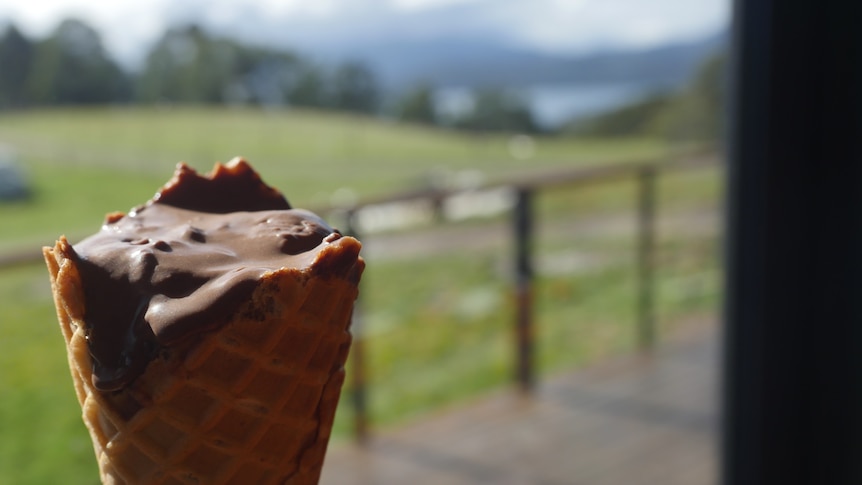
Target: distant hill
{"type": "Point", "coordinates": [469, 62]}
{"type": "Point", "coordinates": [557, 89]}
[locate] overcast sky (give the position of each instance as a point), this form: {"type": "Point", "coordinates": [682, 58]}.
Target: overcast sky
{"type": "Point", "coordinates": [553, 26]}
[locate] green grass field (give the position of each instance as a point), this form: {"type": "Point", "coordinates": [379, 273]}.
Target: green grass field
{"type": "Point", "coordinates": [87, 162]}
{"type": "Point", "coordinates": [437, 326]}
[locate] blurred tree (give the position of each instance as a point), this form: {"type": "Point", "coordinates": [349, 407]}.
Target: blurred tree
{"type": "Point", "coordinates": [694, 114]}
{"type": "Point", "coordinates": [187, 65]}
{"type": "Point", "coordinates": [16, 60]}
{"type": "Point", "coordinates": [354, 88]}
{"type": "Point", "coordinates": [498, 110]}
{"type": "Point", "coordinates": [267, 76]}
{"type": "Point", "coordinates": [308, 88]}
{"type": "Point", "coordinates": [638, 118]}
{"type": "Point", "coordinates": [698, 113]}
{"type": "Point", "coordinates": [72, 67]}
{"type": "Point", "coordinates": [417, 106]}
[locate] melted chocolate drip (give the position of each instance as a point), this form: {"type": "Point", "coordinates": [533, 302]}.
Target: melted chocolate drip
{"type": "Point", "coordinates": [180, 264]}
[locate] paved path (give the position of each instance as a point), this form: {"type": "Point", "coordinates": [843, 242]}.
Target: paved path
{"type": "Point", "coordinates": [628, 421]}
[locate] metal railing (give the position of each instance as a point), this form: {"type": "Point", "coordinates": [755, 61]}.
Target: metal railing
{"type": "Point", "coordinates": [522, 219]}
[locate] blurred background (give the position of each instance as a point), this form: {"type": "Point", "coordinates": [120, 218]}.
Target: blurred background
{"type": "Point", "coordinates": [547, 169]}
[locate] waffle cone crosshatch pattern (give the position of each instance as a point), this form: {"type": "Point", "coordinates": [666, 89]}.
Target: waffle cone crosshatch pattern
{"type": "Point", "coordinates": [250, 399]}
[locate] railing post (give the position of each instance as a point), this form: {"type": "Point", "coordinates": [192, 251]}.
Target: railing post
{"type": "Point", "coordinates": [358, 378]}
{"type": "Point", "coordinates": [646, 254]}
{"type": "Point", "coordinates": [524, 333]}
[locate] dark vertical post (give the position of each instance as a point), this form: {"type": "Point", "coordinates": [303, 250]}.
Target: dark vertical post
{"type": "Point", "coordinates": [437, 205]}
{"type": "Point", "coordinates": [793, 335]}
{"type": "Point", "coordinates": [359, 385]}
{"type": "Point", "coordinates": [523, 234]}
{"type": "Point", "coordinates": [646, 257]}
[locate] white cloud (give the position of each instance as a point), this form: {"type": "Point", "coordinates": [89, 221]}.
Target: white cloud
{"type": "Point", "coordinates": [124, 27]}
{"type": "Point", "coordinates": [416, 5]}
{"type": "Point", "coordinates": [562, 26]}
{"type": "Point", "coordinates": [320, 9]}
{"type": "Point", "coordinates": [42, 16]}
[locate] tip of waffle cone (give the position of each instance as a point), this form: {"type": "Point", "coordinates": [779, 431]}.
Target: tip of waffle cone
{"type": "Point", "coordinates": [66, 284]}
{"type": "Point", "coordinates": [339, 258]}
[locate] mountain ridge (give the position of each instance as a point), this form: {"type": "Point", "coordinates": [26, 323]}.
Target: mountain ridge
{"type": "Point", "coordinates": [466, 62]}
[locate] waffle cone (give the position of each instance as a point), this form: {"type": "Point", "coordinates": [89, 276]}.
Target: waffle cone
{"type": "Point", "coordinates": [252, 401]}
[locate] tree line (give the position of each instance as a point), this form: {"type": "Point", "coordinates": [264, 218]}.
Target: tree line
{"type": "Point", "coordinates": [188, 65]}
{"type": "Point", "coordinates": [697, 112]}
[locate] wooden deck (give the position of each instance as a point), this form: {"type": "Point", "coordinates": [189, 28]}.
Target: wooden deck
{"type": "Point", "coordinates": [628, 421]}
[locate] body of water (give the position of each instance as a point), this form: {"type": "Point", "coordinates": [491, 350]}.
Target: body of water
{"type": "Point", "coordinates": [552, 105]}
